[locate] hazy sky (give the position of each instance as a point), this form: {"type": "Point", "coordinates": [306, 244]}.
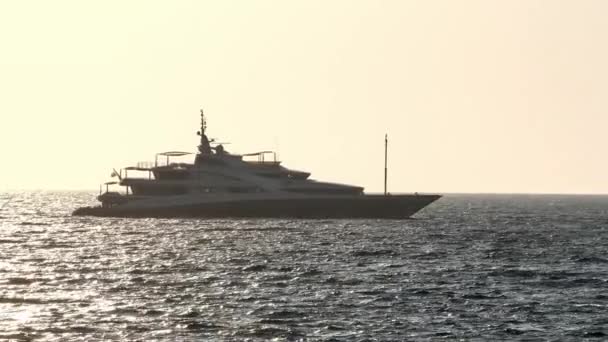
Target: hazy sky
{"type": "Point", "coordinates": [476, 96]}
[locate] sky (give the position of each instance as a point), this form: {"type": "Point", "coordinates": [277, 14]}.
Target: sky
{"type": "Point", "coordinates": [475, 95]}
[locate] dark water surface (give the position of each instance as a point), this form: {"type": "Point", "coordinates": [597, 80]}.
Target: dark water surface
{"type": "Point", "coordinates": [469, 267]}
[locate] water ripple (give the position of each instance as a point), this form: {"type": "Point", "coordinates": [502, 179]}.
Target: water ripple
{"type": "Point", "coordinates": [469, 268]}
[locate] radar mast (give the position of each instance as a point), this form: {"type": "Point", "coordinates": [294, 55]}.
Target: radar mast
{"type": "Point", "coordinates": [204, 147]}
{"type": "Point", "coordinates": [203, 122]}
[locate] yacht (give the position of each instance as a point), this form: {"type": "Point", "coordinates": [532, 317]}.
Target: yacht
{"type": "Point", "coordinates": [222, 184]}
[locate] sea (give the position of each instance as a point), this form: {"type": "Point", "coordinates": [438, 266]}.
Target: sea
{"type": "Point", "coordinates": [467, 268]}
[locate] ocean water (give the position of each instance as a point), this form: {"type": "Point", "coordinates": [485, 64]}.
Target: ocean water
{"type": "Point", "coordinates": [470, 267]}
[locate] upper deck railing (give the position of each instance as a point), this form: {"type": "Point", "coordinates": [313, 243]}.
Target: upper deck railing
{"type": "Point", "coordinates": [263, 157]}
{"type": "Point", "coordinates": [151, 164]}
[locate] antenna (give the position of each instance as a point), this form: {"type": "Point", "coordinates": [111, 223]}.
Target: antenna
{"type": "Point", "coordinates": [204, 147]}
{"type": "Point", "coordinates": [203, 124]}
{"type": "Point", "coordinates": [385, 162]}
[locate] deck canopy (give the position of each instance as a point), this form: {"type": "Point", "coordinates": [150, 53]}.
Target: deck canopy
{"type": "Point", "coordinates": [174, 153]}
{"type": "Point", "coordinates": [261, 157]}
{"type": "Point", "coordinates": [256, 153]}
{"type": "Point", "coordinates": [141, 167]}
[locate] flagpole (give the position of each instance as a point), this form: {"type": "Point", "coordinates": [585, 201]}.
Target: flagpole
{"type": "Point", "coordinates": [385, 162]}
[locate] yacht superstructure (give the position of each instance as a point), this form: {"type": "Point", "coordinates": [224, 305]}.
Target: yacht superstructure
{"type": "Point", "coordinates": [221, 184]}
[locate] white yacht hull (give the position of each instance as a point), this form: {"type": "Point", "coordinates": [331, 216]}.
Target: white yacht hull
{"type": "Point", "coordinates": [270, 206]}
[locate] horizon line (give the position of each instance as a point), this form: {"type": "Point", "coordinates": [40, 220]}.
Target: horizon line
{"type": "Point", "coordinates": [10, 190]}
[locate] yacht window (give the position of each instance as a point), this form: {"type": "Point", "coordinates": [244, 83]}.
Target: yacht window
{"type": "Point", "coordinates": [206, 174]}
{"type": "Point", "coordinates": [327, 191]}
{"type": "Point", "coordinates": [171, 174]}
{"type": "Point", "coordinates": [148, 190]}
{"type": "Point", "coordinates": [242, 189]}
{"type": "Point", "coordinates": [270, 175]}
{"type": "Point", "coordinates": [213, 161]}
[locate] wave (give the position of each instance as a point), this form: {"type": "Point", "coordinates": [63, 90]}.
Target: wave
{"type": "Point", "coordinates": [591, 260]}
{"type": "Point", "coordinates": [30, 223]}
